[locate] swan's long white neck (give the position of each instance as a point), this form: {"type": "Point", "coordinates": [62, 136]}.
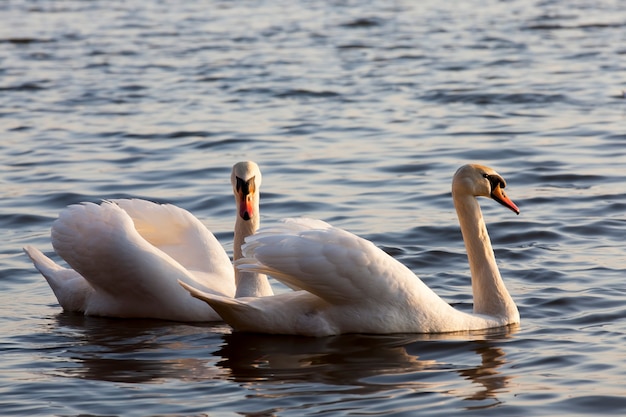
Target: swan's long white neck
{"type": "Point", "coordinates": [490, 294]}
{"type": "Point", "coordinates": [249, 284]}
{"type": "Point", "coordinates": [243, 229]}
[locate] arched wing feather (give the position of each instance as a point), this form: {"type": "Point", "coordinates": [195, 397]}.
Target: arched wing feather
{"type": "Point", "coordinates": [331, 263]}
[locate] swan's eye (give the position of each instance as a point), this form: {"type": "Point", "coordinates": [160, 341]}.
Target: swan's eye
{"type": "Point", "coordinates": [495, 181]}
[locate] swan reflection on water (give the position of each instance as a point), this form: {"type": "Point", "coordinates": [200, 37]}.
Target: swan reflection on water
{"type": "Point", "coordinates": [370, 363]}
{"type": "Point", "coordinates": [135, 350]}
{"type": "Point", "coordinates": [147, 351]}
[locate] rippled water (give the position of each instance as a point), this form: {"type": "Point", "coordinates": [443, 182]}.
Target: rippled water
{"type": "Point", "coordinates": [358, 113]}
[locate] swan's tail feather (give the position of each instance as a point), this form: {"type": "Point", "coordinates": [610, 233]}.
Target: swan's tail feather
{"type": "Point", "coordinates": [232, 310]}
{"type": "Point", "coordinates": [69, 287]}
{"type": "Point", "coordinates": [45, 265]}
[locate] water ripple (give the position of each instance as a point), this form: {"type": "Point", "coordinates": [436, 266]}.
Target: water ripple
{"type": "Point", "coordinates": [359, 115]}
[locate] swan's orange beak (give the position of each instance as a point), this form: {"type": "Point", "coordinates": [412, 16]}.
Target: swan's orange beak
{"type": "Point", "coordinates": [246, 209]}
{"type": "Point", "coordinates": [498, 194]}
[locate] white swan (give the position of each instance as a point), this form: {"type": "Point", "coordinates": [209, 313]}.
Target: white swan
{"type": "Point", "coordinates": [128, 255]}
{"type": "Point", "coordinates": [351, 286]}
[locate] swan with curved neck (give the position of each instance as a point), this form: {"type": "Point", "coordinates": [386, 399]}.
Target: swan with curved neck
{"type": "Point", "coordinates": [351, 286]}
{"type": "Point", "coordinates": [246, 181]}
{"type": "Point", "coordinates": [127, 256]}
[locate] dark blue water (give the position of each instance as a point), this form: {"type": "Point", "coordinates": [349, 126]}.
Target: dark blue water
{"type": "Point", "coordinates": [358, 113]}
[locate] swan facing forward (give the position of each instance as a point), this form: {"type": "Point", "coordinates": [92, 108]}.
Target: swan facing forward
{"type": "Point", "coordinates": [127, 256]}
{"type": "Point", "coordinates": [351, 286]}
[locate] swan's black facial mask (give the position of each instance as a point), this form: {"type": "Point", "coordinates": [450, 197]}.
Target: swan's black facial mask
{"type": "Point", "coordinates": [245, 187]}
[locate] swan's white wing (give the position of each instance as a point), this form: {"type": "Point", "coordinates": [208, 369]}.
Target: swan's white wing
{"type": "Point", "coordinates": [100, 242]}
{"type": "Point", "coordinates": [182, 236]}
{"type": "Point", "coordinates": [331, 263]}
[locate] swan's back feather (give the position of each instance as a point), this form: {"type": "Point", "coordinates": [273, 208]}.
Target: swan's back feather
{"type": "Point", "coordinates": [178, 233]}
{"type": "Point", "coordinates": [100, 243]}
{"type": "Point", "coordinates": [331, 263]}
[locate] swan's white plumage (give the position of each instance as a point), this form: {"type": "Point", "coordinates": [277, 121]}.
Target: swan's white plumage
{"type": "Point", "coordinates": [351, 286]}
{"type": "Point", "coordinates": [306, 252]}
{"type": "Point", "coordinates": [181, 235]}
{"type": "Point", "coordinates": [127, 257]}
{"type": "Point", "coordinates": [119, 271]}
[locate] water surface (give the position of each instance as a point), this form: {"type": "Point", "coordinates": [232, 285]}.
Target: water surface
{"type": "Point", "coordinates": [358, 113]}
